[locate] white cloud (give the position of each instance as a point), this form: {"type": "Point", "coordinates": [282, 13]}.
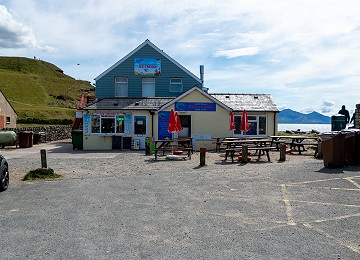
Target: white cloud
{"type": "Point", "coordinates": [249, 51]}
{"type": "Point", "coordinates": [14, 34]}
{"type": "Point", "coordinates": [302, 51]}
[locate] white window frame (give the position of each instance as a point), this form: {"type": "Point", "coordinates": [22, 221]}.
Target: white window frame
{"type": "Point", "coordinates": [112, 117]}
{"type": "Point", "coordinates": [146, 82]}
{"type": "Point", "coordinates": [121, 83]}
{"type": "Point", "coordinates": [175, 86]}
{"type": "Point", "coordinates": [257, 121]}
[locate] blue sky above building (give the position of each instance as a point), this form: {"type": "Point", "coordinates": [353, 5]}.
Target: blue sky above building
{"type": "Point", "coordinates": [304, 53]}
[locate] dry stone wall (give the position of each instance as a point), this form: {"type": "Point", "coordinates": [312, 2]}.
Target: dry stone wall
{"type": "Point", "coordinates": [46, 133]}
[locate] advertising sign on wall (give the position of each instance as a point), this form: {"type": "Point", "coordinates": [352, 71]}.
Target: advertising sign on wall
{"type": "Point", "coordinates": [147, 67]}
{"type": "Point", "coordinates": [128, 124]}
{"type": "Point", "coordinates": [86, 124]}
{"type": "Point", "coordinates": [195, 106]}
{"type": "Point", "coordinates": [163, 122]}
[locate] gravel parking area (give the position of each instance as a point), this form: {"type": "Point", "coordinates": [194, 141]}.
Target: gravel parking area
{"type": "Point", "coordinates": [126, 205]}
{"type": "Point", "coordinates": [82, 164]}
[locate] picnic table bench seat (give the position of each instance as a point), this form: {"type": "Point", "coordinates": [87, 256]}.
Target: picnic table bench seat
{"type": "Point", "coordinates": [300, 146]}
{"type": "Point", "coordinates": [231, 151]}
{"type": "Point", "coordinates": [189, 150]}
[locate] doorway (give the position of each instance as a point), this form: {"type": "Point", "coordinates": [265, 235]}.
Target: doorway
{"type": "Point", "coordinates": [185, 121]}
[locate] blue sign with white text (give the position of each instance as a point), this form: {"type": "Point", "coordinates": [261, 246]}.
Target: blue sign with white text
{"type": "Point", "coordinates": [195, 106]}
{"type": "Point", "coordinates": [163, 122]}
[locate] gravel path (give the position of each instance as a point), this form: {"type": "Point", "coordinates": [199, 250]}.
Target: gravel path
{"type": "Point", "coordinates": [88, 164]}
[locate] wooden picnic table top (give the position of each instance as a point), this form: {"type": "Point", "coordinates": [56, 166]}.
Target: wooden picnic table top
{"type": "Point", "coordinates": [255, 140]}
{"type": "Point", "coordinates": [293, 137]}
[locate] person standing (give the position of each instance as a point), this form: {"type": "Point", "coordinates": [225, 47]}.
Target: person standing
{"type": "Point", "coordinates": [345, 112]}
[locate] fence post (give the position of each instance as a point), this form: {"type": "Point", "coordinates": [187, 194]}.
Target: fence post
{"type": "Point", "coordinates": [244, 151]}
{"type": "Point", "coordinates": [43, 158]}
{"type": "Point", "coordinates": [282, 152]}
{"type": "Point", "coordinates": [202, 156]}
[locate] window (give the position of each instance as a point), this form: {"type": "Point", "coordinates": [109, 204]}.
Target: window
{"type": "Point", "coordinates": [176, 85]}
{"type": "Point", "coordinates": [148, 87]}
{"type": "Point", "coordinates": [257, 125]}
{"type": "Point", "coordinates": [120, 124]}
{"type": "Point", "coordinates": [7, 120]}
{"type": "Point", "coordinates": [140, 125]}
{"type": "Point", "coordinates": [95, 123]}
{"type": "Point", "coordinates": [121, 87]}
{"type": "Point", "coordinates": [107, 123]}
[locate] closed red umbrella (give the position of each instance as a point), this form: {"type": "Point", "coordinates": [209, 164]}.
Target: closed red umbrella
{"type": "Point", "coordinates": [244, 122]}
{"type": "Point", "coordinates": [172, 122]}
{"type": "Point", "coordinates": [232, 121]}
{"type": "Point", "coordinates": [177, 123]}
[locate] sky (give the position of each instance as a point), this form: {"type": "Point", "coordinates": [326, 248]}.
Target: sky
{"type": "Point", "coordinates": [305, 53]}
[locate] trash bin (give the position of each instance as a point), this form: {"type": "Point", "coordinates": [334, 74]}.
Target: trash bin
{"type": "Point", "coordinates": [338, 122]}
{"type": "Point", "coordinates": [349, 146]}
{"type": "Point", "coordinates": [149, 145]}
{"type": "Point", "coordinates": [36, 138]}
{"type": "Point", "coordinates": [77, 139]}
{"type": "Point", "coordinates": [332, 145]}
{"type": "Point", "coordinates": [26, 139]}
{"type": "Point", "coordinates": [357, 148]}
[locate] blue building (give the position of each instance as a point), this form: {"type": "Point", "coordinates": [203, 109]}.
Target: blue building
{"type": "Point", "coordinates": [147, 71]}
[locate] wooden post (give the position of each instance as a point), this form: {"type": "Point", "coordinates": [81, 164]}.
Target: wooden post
{"type": "Point", "coordinates": [202, 156]}
{"type": "Point", "coordinates": [244, 151]}
{"type": "Point", "coordinates": [43, 158]}
{"type": "Point", "coordinates": [282, 152]}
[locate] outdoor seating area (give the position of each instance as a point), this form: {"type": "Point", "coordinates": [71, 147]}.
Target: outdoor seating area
{"type": "Point", "coordinates": [295, 142]}
{"type": "Point", "coordinates": [232, 148]}
{"type": "Point", "coordinates": [235, 146]}
{"type": "Point", "coordinates": [177, 146]}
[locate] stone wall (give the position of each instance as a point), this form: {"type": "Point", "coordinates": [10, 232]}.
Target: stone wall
{"type": "Point", "coordinates": [46, 133]}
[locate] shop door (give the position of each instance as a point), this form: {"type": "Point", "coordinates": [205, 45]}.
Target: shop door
{"type": "Point", "coordinates": [140, 129]}
{"type": "Point", "coordinates": [186, 125]}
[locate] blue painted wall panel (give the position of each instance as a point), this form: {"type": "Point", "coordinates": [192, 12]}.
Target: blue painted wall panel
{"type": "Point", "coordinates": [105, 86]}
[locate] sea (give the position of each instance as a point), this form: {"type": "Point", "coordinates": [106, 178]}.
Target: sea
{"type": "Point", "coordinates": [305, 127]}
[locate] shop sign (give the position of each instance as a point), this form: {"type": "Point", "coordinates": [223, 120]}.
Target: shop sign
{"type": "Point", "coordinates": [86, 124]}
{"type": "Point", "coordinates": [195, 106]}
{"type": "Point", "coordinates": [163, 122]}
{"type": "Point", "coordinates": [147, 67]}
{"type": "Point", "coordinates": [128, 124]}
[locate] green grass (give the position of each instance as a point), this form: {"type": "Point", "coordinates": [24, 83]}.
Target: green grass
{"type": "Point", "coordinates": [41, 174]}
{"type": "Point", "coordinates": [38, 90]}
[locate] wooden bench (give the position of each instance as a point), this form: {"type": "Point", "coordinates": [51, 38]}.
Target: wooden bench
{"type": "Point", "coordinates": [300, 147]}
{"type": "Point", "coordinates": [265, 149]}
{"type": "Point", "coordinates": [231, 152]}
{"type": "Point", "coordinates": [278, 142]}
{"type": "Point", "coordinates": [259, 149]}
{"type": "Point", "coordinates": [189, 150]}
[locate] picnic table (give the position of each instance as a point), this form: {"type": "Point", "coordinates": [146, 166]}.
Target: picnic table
{"type": "Point", "coordinates": [170, 145]}
{"type": "Point", "coordinates": [295, 142]}
{"type": "Point", "coordinates": [261, 146]}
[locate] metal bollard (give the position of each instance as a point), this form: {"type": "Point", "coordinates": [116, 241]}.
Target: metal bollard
{"type": "Point", "coordinates": [282, 153]}
{"type": "Point", "coordinates": [43, 158]}
{"type": "Point", "coordinates": [202, 156]}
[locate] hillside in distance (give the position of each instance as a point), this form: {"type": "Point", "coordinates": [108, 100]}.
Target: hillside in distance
{"type": "Point", "coordinates": [39, 91]}
{"type": "Point", "coordinates": [288, 116]}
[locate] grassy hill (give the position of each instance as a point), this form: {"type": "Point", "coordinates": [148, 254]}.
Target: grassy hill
{"type": "Point", "coordinates": [39, 91]}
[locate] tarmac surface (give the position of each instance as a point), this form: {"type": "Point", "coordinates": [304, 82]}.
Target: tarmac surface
{"type": "Point", "coordinates": [126, 205]}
